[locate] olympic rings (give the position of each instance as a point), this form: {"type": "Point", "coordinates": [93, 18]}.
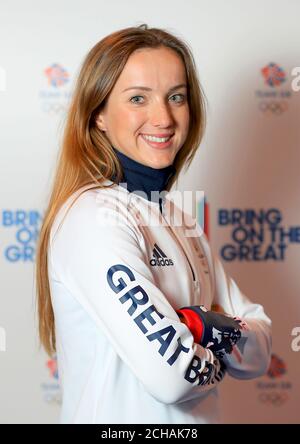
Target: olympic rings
{"type": "Point", "coordinates": [274, 107]}
{"type": "Point", "coordinates": [273, 398]}
{"type": "Point", "coordinates": [54, 108]}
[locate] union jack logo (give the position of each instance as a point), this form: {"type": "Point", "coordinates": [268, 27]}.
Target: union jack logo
{"type": "Point", "coordinates": [273, 74]}
{"type": "Point", "coordinates": [52, 366]}
{"type": "Point", "coordinates": [277, 367]}
{"type": "Point", "coordinates": [57, 75]}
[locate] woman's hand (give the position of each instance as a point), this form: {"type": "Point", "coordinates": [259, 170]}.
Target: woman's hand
{"type": "Point", "coordinates": [216, 331]}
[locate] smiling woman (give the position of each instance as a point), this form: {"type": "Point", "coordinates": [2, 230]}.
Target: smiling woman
{"type": "Point", "coordinates": [119, 298]}
{"type": "Point", "coordinates": [152, 125]}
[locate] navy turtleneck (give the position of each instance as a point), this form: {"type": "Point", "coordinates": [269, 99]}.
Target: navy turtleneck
{"type": "Point", "coordinates": [139, 177]}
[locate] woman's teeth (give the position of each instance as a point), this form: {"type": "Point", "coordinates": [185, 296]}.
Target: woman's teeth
{"type": "Point", "coordinates": [156, 139]}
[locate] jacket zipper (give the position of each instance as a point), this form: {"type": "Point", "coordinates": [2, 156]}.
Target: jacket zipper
{"type": "Point", "coordinates": [174, 235]}
{"type": "Point", "coordinates": [162, 204]}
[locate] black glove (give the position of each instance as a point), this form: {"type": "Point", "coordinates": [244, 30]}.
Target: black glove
{"type": "Point", "coordinates": [212, 330]}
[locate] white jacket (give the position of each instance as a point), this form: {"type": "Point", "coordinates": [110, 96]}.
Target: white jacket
{"type": "Point", "coordinates": [116, 280]}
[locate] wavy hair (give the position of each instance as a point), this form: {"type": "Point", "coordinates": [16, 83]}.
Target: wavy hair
{"type": "Point", "coordinates": [86, 156]}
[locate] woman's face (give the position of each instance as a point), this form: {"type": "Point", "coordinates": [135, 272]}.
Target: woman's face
{"type": "Point", "coordinates": [148, 99]}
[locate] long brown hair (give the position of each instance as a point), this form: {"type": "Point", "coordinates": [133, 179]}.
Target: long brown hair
{"type": "Point", "coordinates": [86, 156]}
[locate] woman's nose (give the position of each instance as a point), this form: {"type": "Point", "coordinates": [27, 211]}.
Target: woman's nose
{"type": "Point", "coordinates": [161, 115]}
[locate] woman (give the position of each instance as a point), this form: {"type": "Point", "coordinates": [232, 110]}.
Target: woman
{"type": "Point", "coordinates": [125, 293]}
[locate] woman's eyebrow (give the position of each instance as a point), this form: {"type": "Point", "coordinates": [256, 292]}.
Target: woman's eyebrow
{"type": "Point", "coordinates": [146, 88]}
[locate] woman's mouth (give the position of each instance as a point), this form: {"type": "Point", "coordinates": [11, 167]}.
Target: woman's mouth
{"type": "Point", "coordinates": [158, 142]}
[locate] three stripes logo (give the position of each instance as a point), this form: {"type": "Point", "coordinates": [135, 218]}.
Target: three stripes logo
{"type": "Point", "coordinates": [159, 257]}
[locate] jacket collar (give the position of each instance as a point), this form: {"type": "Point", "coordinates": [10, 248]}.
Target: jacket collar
{"type": "Point", "coordinates": [138, 177]}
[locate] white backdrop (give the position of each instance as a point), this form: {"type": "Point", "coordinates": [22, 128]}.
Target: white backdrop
{"type": "Point", "coordinates": [249, 159]}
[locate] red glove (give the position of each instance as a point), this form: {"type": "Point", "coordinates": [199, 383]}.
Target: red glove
{"type": "Point", "coordinates": [216, 331]}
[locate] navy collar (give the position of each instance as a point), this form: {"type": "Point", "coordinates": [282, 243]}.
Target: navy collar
{"type": "Point", "coordinates": [139, 177]}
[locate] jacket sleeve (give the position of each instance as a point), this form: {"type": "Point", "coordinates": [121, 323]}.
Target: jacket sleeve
{"type": "Point", "coordinates": [252, 354]}
{"type": "Point", "coordinates": [96, 253]}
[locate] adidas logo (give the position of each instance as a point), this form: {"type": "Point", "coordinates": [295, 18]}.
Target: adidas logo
{"type": "Point", "coordinates": [160, 257]}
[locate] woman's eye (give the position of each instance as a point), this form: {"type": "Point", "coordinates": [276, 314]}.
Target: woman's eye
{"type": "Point", "coordinates": [135, 101]}
{"type": "Point", "coordinates": [182, 96]}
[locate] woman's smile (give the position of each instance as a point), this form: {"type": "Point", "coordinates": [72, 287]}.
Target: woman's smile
{"type": "Point", "coordinates": [154, 142]}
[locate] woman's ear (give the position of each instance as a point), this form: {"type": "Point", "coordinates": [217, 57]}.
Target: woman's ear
{"type": "Point", "coordinates": [100, 122]}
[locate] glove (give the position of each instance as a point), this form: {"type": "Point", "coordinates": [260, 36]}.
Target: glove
{"type": "Point", "coordinates": [216, 331]}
